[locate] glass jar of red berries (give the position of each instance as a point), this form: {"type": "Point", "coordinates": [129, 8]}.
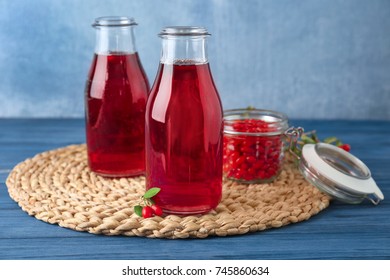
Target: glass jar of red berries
{"type": "Point", "coordinates": [253, 144]}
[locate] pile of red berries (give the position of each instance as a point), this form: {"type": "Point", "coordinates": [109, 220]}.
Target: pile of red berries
{"type": "Point", "coordinates": [147, 208]}
{"type": "Point", "coordinates": [255, 154]}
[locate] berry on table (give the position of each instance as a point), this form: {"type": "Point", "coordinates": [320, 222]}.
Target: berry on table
{"type": "Point", "coordinates": [345, 147]}
{"type": "Point", "coordinates": [146, 208]}
{"type": "Point", "coordinates": [147, 212]}
{"type": "Point", "coordinates": [156, 210]}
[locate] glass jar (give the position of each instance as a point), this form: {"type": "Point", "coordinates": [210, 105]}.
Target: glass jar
{"type": "Point", "coordinates": [184, 126]}
{"type": "Point", "coordinates": [253, 145]}
{"type": "Point", "coordinates": [115, 100]}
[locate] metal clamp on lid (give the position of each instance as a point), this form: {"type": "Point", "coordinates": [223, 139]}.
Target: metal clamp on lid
{"type": "Point", "coordinates": [334, 171]}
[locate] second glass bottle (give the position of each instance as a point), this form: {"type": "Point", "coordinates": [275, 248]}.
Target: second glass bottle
{"type": "Point", "coordinates": [184, 126]}
{"type": "Point", "coordinates": [115, 100]}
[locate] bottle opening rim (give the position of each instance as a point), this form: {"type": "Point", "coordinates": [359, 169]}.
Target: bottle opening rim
{"type": "Point", "coordinates": [184, 31]}
{"type": "Point", "coordinates": [114, 21]}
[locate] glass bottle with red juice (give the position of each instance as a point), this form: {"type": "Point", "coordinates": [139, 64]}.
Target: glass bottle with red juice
{"type": "Point", "coordinates": [184, 126]}
{"type": "Point", "coordinates": [115, 100]}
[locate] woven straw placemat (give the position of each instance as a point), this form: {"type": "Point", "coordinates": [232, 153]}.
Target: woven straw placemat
{"type": "Point", "coordinates": [57, 187]}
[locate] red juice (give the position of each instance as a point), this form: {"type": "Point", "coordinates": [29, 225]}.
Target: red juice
{"type": "Point", "coordinates": [184, 128]}
{"type": "Point", "coordinates": [116, 93]}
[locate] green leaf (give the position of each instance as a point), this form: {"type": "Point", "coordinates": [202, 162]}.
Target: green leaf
{"type": "Point", "coordinates": [151, 192]}
{"type": "Point", "coordinates": [138, 210]}
{"type": "Point", "coordinates": [307, 140]}
{"type": "Point", "coordinates": [338, 143]}
{"type": "Point", "coordinates": [330, 140]}
{"type": "Point", "coordinates": [315, 137]}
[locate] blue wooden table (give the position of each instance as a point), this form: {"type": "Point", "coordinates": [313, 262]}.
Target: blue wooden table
{"type": "Point", "coordinates": [339, 232]}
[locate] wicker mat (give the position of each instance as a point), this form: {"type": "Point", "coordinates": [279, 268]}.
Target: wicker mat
{"type": "Point", "coordinates": [57, 187]}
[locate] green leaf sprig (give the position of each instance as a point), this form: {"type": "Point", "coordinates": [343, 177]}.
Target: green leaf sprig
{"type": "Point", "coordinates": [312, 138]}
{"type": "Point", "coordinates": [146, 200]}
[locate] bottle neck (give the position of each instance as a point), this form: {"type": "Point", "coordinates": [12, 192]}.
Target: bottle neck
{"type": "Point", "coordinates": [115, 39]}
{"type": "Point", "coordinates": [184, 50]}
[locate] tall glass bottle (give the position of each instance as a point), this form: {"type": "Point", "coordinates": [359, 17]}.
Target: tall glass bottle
{"type": "Point", "coordinates": [115, 100]}
{"type": "Point", "coordinates": [184, 126]}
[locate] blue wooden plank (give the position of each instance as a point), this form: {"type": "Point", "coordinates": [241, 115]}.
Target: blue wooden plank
{"type": "Point", "coordinates": [339, 232]}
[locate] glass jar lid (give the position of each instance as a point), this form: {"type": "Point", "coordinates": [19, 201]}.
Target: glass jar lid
{"type": "Point", "coordinates": [338, 173]}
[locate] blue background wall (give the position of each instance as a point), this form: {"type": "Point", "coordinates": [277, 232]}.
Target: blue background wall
{"type": "Point", "coordinates": [309, 59]}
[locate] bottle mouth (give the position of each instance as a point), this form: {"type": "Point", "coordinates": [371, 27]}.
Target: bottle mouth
{"type": "Point", "coordinates": [113, 21]}
{"type": "Point", "coordinates": [183, 31]}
